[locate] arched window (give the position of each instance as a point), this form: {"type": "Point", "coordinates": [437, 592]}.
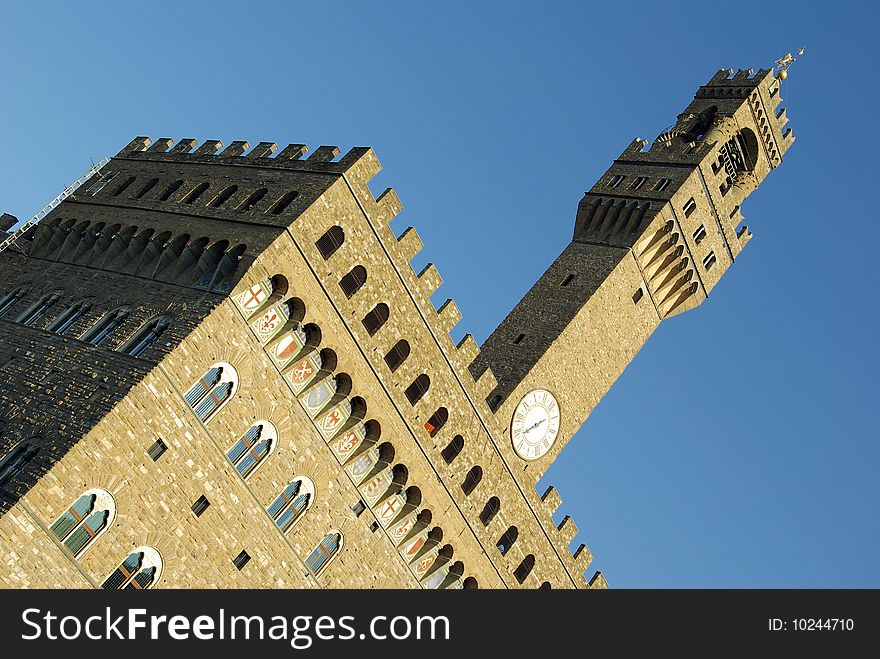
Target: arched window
{"type": "Point", "coordinates": [292, 503]}
{"type": "Point", "coordinates": [469, 584]}
{"type": "Point", "coordinates": [149, 186]}
{"type": "Point", "coordinates": [253, 200]}
{"type": "Point", "coordinates": [437, 421]}
{"type": "Point", "coordinates": [140, 570]}
{"type": "Point", "coordinates": [17, 459]}
{"type": "Point", "coordinates": [325, 552]}
{"type": "Point", "coordinates": [282, 204]}
{"type": "Point", "coordinates": [473, 478]}
{"type": "Point", "coordinates": [418, 388]}
{"type": "Point", "coordinates": [492, 507]}
{"type": "Point", "coordinates": [452, 449]}
{"type": "Point", "coordinates": [330, 241]}
{"type": "Point", "coordinates": [122, 187]}
{"type": "Point", "coordinates": [375, 318]}
{"type": "Point", "coordinates": [398, 353]}
{"type": "Point", "coordinates": [39, 308]}
{"type": "Point", "coordinates": [545, 586]}
{"type": "Point", "coordinates": [224, 196]}
{"type": "Point", "coordinates": [195, 193]}
{"type": "Point", "coordinates": [145, 336]}
{"type": "Point", "coordinates": [11, 298]}
{"type": "Point", "coordinates": [505, 542]}
{"type": "Point", "coordinates": [170, 190]}
{"type": "Point", "coordinates": [101, 331]}
{"type": "Point", "coordinates": [81, 524]}
{"type": "Point", "coordinates": [252, 448]}
{"type": "Point", "coordinates": [352, 282]}
{"type": "Point", "coordinates": [524, 569]}
{"type": "Point", "coordinates": [212, 390]}
{"type": "Point", "coordinates": [69, 317]}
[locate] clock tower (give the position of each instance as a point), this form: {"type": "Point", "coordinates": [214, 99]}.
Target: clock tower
{"type": "Point", "coordinates": [651, 239]}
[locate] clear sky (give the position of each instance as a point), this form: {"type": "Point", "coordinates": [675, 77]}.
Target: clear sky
{"type": "Point", "coordinates": [740, 448]}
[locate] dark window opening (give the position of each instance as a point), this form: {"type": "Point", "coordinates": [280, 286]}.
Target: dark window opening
{"type": "Point", "coordinates": [253, 200]}
{"type": "Point", "coordinates": [123, 186]}
{"type": "Point", "coordinates": [452, 449]}
{"type": "Point", "coordinates": [709, 261]}
{"type": "Point", "coordinates": [282, 204]}
{"type": "Point", "coordinates": [330, 241]}
{"type": "Point", "coordinates": [196, 192]}
{"type": "Point", "coordinates": [505, 542]}
{"type": "Point", "coordinates": [397, 355]}
{"type": "Point", "coordinates": [241, 560]}
{"type": "Point", "coordinates": [568, 278]}
{"type": "Point", "coordinates": [375, 318]}
{"type": "Point", "coordinates": [690, 207]}
{"type": "Point", "coordinates": [638, 296]}
{"type": "Point", "coordinates": [699, 234]}
{"type": "Point", "coordinates": [157, 449]}
{"type": "Point", "coordinates": [473, 478]}
{"type": "Point", "coordinates": [359, 508]}
{"type": "Point", "coordinates": [519, 339]}
{"type": "Point", "coordinates": [524, 569]}
{"type": "Point", "coordinates": [492, 508]}
{"type": "Point", "coordinates": [170, 190]}
{"type": "Point", "coordinates": [352, 282]}
{"type": "Point", "coordinates": [616, 180]}
{"type": "Point", "coordinates": [417, 389]}
{"type": "Point", "coordinates": [640, 181]}
{"type": "Point", "coordinates": [200, 506]}
{"type": "Point", "coordinates": [149, 186]}
{"type": "Point", "coordinates": [437, 421]}
{"type": "Point", "coordinates": [224, 196]}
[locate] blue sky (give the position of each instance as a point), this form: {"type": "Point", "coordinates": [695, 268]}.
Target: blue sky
{"type": "Point", "coordinates": [740, 448]}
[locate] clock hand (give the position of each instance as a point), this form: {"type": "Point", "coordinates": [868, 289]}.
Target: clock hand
{"type": "Point", "coordinates": [535, 425]}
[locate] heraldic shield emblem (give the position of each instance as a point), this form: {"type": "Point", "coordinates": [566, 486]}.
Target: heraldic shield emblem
{"type": "Point", "coordinates": [252, 298]}
{"type": "Point", "coordinates": [303, 372]}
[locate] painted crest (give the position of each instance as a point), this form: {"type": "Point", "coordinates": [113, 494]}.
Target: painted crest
{"type": "Point", "coordinates": [377, 486]}
{"type": "Point", "coordinates": [289, 346]}
{"type": "Point", "coordinates": [400, 530]}
{"type": "Point", "coordinates": [433, 582]}
{"type": "Point", "coordinates": [267, 325]}
{"type": "Point", "coordinates": [390, 509]}
{"type": "Point", "coordinates": [333, 420]}
{"type": "Point", "coordinates": [414, 546]}
{"type": "Point", "coordinates": [425, 563]}
{"type": "Point", "coordinates": [318, 396]}
{"type": "Point", "coordinates": [345, 446]}
{"type": "Point", "coordinates": [303, 372]}
{"type": "Point", "coordinates": [251, 299]}
{"type": "Point", "coordinates": [363, 465]}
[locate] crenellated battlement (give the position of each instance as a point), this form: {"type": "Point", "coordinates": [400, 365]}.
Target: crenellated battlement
{"type": "Point", "coordinates": [578, 562]}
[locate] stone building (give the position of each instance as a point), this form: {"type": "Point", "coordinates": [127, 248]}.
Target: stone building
{"type": "Point", "coordinates": [218, 368]}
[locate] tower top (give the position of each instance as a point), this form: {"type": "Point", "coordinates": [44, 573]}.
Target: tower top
{"type": "Point", "coordinates": [783, 64]}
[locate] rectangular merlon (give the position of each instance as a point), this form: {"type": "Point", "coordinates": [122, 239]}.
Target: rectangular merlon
{"type": "Point", "coordinates": [292, 152]}
{"type": "Point", "coordinates": [410, 244]}
{"type": "Point", "coordinates": [468, 349]}
{"type": "Point", "coordinates": [235, 149]}
{"type": "Point", "coordinates": [583, 557]}
{"type": "Point", "coordinates": [324, 154]}
{"type": "Point", "coordinates": [449, 315]}
{"type": "Point", "coordinates": [389, 205]}
{"type": "Point", "coordinates": [262, 150]}
{"type": "Point", "coordinates": [598, 582]}
{"type": "Point", "coordinates": [139, 143]}
{"type": "Point", "coordinates": [209, 148]}
{"type": "Point", "coordinates": [430, 279]}
{"type": "Point", "coordinates": [161, 145]}
{"type": "Point", "coordinates": [551, 500]}
{"type": "Point", "coordinates": [184, 146]}
{"type": "Point", "coordinates": [567, 529]}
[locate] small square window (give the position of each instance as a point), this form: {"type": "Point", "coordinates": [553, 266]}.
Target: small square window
{"type": "Point", "coordinates": [616, 180]}
{"type": "Point", "coordinates": [519, 339]}
{"type": "Point", "coordinates": [359, 508]}
{"type": "Point", "coordinates": [157, 449]}
{"type": "Point", "coordinates": [662, 184]}
{"type": "Point", "coordinates": [640, 181]}
{"type": "Point", "coordinates": [638, 295]}
{"type": "Point", "coordinates": [241, 560]}
{"type": "Point", "coordinates": [374, 527]}
{"type": "Point", "coordinates": [201, 505]}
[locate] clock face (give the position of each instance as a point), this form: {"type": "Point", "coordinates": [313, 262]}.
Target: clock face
{"type": "Point", "coordinates": [535, 424]}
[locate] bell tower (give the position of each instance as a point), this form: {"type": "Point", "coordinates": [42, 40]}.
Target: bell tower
{"type": "Point", "coordinates": [651, 239]}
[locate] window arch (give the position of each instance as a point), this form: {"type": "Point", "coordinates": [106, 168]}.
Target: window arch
{"type": "Point", "coordinates": [375, 318]}
{"type": "Point", "coordinates": [292, 504]}
{"type": "Point", "coordinates": [195, 193]}
{"type": "Point", "coordinates": [452, 449]}
{"type": "Point", "coordinates": [281, 205]}
{"type": "Point", "coordinates": [492, 508]}
{"type": "Point", "coordinates": [146, 336]}
{"type": "Point", "coordinates": [473, 478]}
{"type": "Point", "coordinates": [17, 459]}
{"type": "Point", "coordinates": [213, 390]}
{"type": "Point", "coordinates": [170, 190]}
{"type": "Point", "coordinates": [545, 586]}
{"type": "Point", "coordinates": [140, 570]}
{"type": "Point", "coordinates": [469, 584]}
{"type": "Point", "coordinates": [325, 552]}
{"type": "Point", "coordinates": [505, 542]}
{"type": "Point", "coordinates": [122, 187]}
{"type": "Point", "coordinates": [39, 308]}
{"type": "Point", "coordinates": [223, 197]}
{"type": "Point", "coordinates": [397, 355]}
{"type": "Point", "coordinates": [524, 569]}
{"type": "Point", "coordinates": [353, 281]}
{"type": "Point", "coordinates": [86, 519]}
{"type": "Point", "coordinates": [69, 317]}
{"type": "Point", "coordinates": [437, 421]}
{"type": "Point", "coordinates": [101, 330]}
{"type": "Point", "coordinates": [418, 388]}
{"type": "Point", "coordinates": [253, 200]}
{"type": "Point", "coordinates": [252, 448]}
{"type": "Point", "coordinates": [11, 298]}
{"type": "Point", "coordinates": [330, 241]}
{"type": "Point", "coordinates": [152, 183]}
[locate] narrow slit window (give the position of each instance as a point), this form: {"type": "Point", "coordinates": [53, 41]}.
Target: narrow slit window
{"type": "Point", "coordinates": [690, 207]}
{"type": "Point", "coordinates": [201, 505]}
{"type": "Point", "coordinates": [282, 204]}
{"type": "Point", "coordinates": [152, 183]}
{"type": "Point", "coordinates": [253, 200]}
{"type": "Point", "coordinates": [709, 261]}
{"type": "Point", "coordinates": [568, 279]}
{"type": "Point", "coordinates": [223, 197]}
{"type": "Point", "coordinates": [197, 192]}
{"type": "Point", "coordinates": [637, 296]}
{"type": "Point", "coordinates": [122, 187]}
{"type": "Point", "coordinates": [519, 339]}
{"type": "Point", "coordinates": [170, 190]}
{"type": "Point", "coordinates": [616, 180]}
{"type": "Point", "coordinates": [157, 449]}
{"type": "Point", "coordinates": [699, 234]}
{"type": "Point", "coordinates": [662, 184]}
{"type": "Point", "coordinates": [640, 182]}
{"type": "Point", "coordinates": [241, 560]}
